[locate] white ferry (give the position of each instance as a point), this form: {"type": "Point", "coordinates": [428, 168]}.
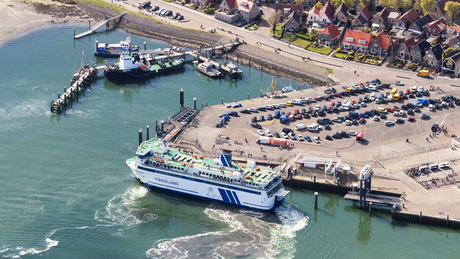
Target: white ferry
{"type": "Point", "coordinates": [218, 179]}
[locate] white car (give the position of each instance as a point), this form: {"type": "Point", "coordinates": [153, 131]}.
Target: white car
{"type": "Point", "coordinates": [276, 106]}
{"type": "Point", "coordinates": [396, 113]}
{"type": "Point", "coordinates": [269, 134]}
{"type": "Point", "coordinates": [268, 107]}
{"type": "Point", "coordinates": [352, 133]}
{"type": "Point", "coordinates": [399, 83]}
{"type": "Point", "coordinates": [372, 88]}
{"type": "Point", "coordinates": [316, 140]}
{"type": "Point", "coordinates": [348, 122]}
{"type": "Point", "coordinates": [299, 137]}
{"type": "Point", "coordinates": [376, 118]}
{"type": "Point", "coordinates": [282, 105]}
{"type": "Point", "coordinates": [389, 123]}
{"type": "Point", "coordinates": [261, 132]}
{"type": "Point", "coordinates": [284, 135]}
{"type": "Point", "coordinates": [377, 101]}
{"type": "Point", "coordinates": [401, 113]}
{"type": "Point", "coordinates": [431, 107]}
{"type": "Point", "coordinates": [355, 106]}
{"type": "Point", "coordinates": [252, 109]}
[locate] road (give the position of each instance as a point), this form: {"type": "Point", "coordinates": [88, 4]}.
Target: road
{"type": "Point", "coordinates": [342, 69]}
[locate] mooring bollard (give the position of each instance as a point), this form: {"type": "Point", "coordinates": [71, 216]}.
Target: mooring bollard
{"type": "Point", "coordinates": [194, 103]}
{"type": "Point", "coordinates": [148, 132]}
{"type": "Point", "coordinates": [222, 100]}
{"type": "Point", "coordinates": [421, 216]}
{"type": "Point", "coordinates": [206, 103]}
{"type": "Point", "coordinates": [370, 208]}
{"type": "Point", "coordinates": [314, 181]}
{"type": "Point", "coordinates": [316, 200]}
{"type": "Point", "coordinates": [248, 96]}
{"type": "Point", "coordinates": [140, 136]}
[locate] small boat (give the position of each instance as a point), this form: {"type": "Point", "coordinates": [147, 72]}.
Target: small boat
{"type": "Point", "coordinates": [134, 65]}
{"type": "Point", "coordinates": [114, 50]}
{"type": "Point", "coordinates": [207, 68]}
{"type": "Point", "coordinates": [235, 68]}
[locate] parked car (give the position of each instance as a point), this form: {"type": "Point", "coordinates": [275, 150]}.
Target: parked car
{"type": "Point", "coordinates": [399, 121]}
{"type": "Point", "coordinates": [261, 132]}
{"type": "Point", "coordinates": [269, 134]}
{"type": "Point", "coordinates": [256, 125]}
{"type": "Point", "coordinates": [276, 134]}
{"type": "Point", "coordinates": [389, 123]}
{"type": "Point", "coordinates": [292, 135]}
{"type": "Point", "coordinates": [337, 136]}
{"type": "Point", "coordinates": [328, 137]}
{"type": "Point", "coordinates": [284, 135]}
{"type": "Point", "coordinates": [399, 83]}
{"type": "Point", "coordinates": [411, 119]}
{"type": "Point", "coordinates": [424, 116]}
{"type": "Point", "coordinates": [307, 138]}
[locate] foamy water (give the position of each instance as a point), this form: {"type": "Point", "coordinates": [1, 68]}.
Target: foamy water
{"type": "Point", "coordinates": [250, 234]}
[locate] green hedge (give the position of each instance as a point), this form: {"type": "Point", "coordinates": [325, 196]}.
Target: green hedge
{"type": "Point", "coordinates": [300, 36]}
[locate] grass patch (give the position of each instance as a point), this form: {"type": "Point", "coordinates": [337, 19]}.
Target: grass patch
{"type": "Point", "coordinates": [302, 42]}
{"type": "Point", "coordinates": [324, 50]}
{"type": "Point", "coordinates": [329, 71]}
{"type": "Point", "coordinates": [167, 1]}
{"type": "Point", "coordinates": [253, 27]}
{"type": "Point", "coordinates": [341, 55]}
{"type": "Point", "coordinates": [100, 3]}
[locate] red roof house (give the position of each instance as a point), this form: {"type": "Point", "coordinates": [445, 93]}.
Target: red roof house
{"type": "Point", "coordinates": [356, 40]}
{"type": "Point", "coordinates": [330, 35]}
{"type": "Point", "coordinates": [382, 44]}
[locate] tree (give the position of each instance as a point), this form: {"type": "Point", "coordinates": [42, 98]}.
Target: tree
{"type": "Point", "coordinates": [407, 4]}
{"type": "Point", "coordinates": [386, 3]}
{"type": "Point", "coordinates": [336, 3]}
{"type": "Point", "coordinates": [417, 6]}
{"type": "Point", "coordinates": [299, 2]}
{"type": "Point", "coordinates": [273, 20]}
{"type": "Point", "coordinates": [349, 3]}
{"type": "Point", "coordinates": [427, 6]}
{"type": "Point", "coordinates": [452, 9]}
{"type": "Point", "coordinates": [319, 5]}
{"type": "Point", "coordinates": [364, 2]}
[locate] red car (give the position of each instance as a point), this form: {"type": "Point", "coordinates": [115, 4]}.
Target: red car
{"type": "Point", "coordinates": [317, 98]}
{"type": "Point", "coordinates": [411, 119]}
{"type": "Point", "coordinates": [332, 104]}
{"type": "Point", "coordinates": [361, 84]}
{"type": "Point", "coordinates": [298, 116]}
{"type": "Point", "coordinates": [288, 114]}
{"type": "Point", "coordinates": [352, 101]}
{"type": "Point", "coordinates": [407, 91]}
{"type": "Point", "coordinates": [362, 120]}
{"type": "Point", "coordinates": [296, 111]}
{"type": "Point", "coordinates": [336, 94]}
{"type": "Point", "coordinates": [389, 109]}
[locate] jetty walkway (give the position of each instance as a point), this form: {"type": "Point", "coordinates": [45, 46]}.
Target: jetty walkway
{"type": "Point", "coordinates": [93, 28]}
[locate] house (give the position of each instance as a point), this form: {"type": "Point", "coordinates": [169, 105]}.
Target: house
{"type": "Point", "coordinates": [434, 56]}
{"type": "Point", "coordinates": [313, 15]}
{"type": "Point", "coordinates": [292, 22]}
{"type": "Point", "coordinates": [436, 28]}
{"type": "Point", "coordinates": [452, 30]}
{"type": "Point", "coordinates": [202, 3]}
{"type": "Point", "coordinates": [363, 19]}
{"type": "Point", "coordinates": [381, 45]}
{"type": "Point", "coordinates": [380, 20]}
{"type": "Point", "coordinates": [418, 27]}
{"type": "Point", "coordinates": [329, 36]}
{"type": "Point", "coordinates": [454, 42]}
{"type": "Point", "coordinates": [287, 9]}
{"type": "Point", "coordinates": [438, 9]}
{"type": "Point", "coordinates": [406, 19]}
{"type": "Point", "coordinates": [309, 3]}
{"type": "Point", "coordinates": [341, 15]}
{"type": "Point", "coordinates": [392, 17]}
{"type": "Point", "coordinates": [327, 14]}
{"type": "Point", "coordinates": [231, 11]}
{"type": "Point", "coordinates": [405, 48]}
{"type": "Point", "coordinates": [452, 64]}
{"type": "Point", "coordinates": [356, 40]}
{"type": "Point", "coordinates": [417, 52]}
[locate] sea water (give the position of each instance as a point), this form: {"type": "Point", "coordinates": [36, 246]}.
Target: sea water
{"type": "Point", "coordinates": [66, 191]}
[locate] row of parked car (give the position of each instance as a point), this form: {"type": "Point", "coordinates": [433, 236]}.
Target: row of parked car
{"type": "Point", "coordinates": [164, 12]}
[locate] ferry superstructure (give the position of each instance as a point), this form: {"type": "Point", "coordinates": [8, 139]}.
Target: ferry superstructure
{"type": "Point", "coordinates": [218, 179]}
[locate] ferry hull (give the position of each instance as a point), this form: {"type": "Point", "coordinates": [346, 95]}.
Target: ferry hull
{"type": "Point", "coordinates": [195, 187]}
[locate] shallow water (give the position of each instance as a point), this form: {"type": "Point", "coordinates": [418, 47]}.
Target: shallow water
{"type": "Point", "coordinates": [67, 192]}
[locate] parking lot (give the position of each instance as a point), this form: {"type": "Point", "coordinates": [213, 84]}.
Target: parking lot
{"type": "Point", "coordinates": [378, 120]}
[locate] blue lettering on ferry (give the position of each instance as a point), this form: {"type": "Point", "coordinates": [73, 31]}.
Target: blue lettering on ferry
{"type": "Point", "coordinates": [166, 181]}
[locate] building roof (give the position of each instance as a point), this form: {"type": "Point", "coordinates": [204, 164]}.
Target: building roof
{"type": "Point", "coordinates": [240, 4]}
{"type": "Point", "coordinates": [410, 42]}
{"type": "Point", "coordinates": [437, 26]}
{"type": "Point", "coordinates": [452, 29]}
{"type": "Point", "coordinates": [342, 8]}
{"type": "Point", "coordinates": [393, 15]}
{"type": "Point", "coordinates": [423, 46]}
{"type": "Point", "coordinates": [455, 57]}
{"type": "Point", "coordinates": [437, 51]}
{"type": "Point", "coordinates": [328, 10]}
{"type": "Point", "coordinates": [441, 4]}
{"type": "Point", "coordinates": [356, 36]}
{"type": "Point", "coordinates": [383, 40]}
{"type": "Point", "coordinates": [365, 12]}
{"type": "Point", "coordinates": [294, 16]}
{"type": "Point", "coordinates": [360, 19]}
{"type": "Point", "coordinates": [292, 8]}
{"type": "Point", "coordinates": [314, 10]}
{"type": "Point", "coordinates": [410, 15]}
{"type": "Point", "coordinates": [424, 21]}
{"type": "Point", "coordinates": [332, 31]}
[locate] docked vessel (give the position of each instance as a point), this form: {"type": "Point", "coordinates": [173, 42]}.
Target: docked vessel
{"type": "Point", "coordinates": [133, 65]}
{"type": "Point", "coordinates": [219, 179]}
{"type": "Point", "coordinates": [207, 68]}
{"type": "Point", "coordinates": [234, 68]}
{"type": "Point", "coordinates": [114, 50]}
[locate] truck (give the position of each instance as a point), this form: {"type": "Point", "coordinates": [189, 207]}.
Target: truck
{"type": "Point", "coordinates": [283, 118]}
{"type": "Point", "coordinates": [396, 96]}
{"type": "Point", "coordinates": [423, 101]}
{"type": "Point", "coordinates": [272, 141]}
{"type": "Point", "coordinates": [300, 126]}
{"type": "Point", "coordinates": [423, 73]}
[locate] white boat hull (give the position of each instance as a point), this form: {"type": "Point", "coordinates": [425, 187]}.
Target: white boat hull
{"type": "Point", "coordinates": [201, 188]}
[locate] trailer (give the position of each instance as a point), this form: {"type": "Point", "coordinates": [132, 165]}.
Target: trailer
{"type": "Point", "coordinates": [272, 141]}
